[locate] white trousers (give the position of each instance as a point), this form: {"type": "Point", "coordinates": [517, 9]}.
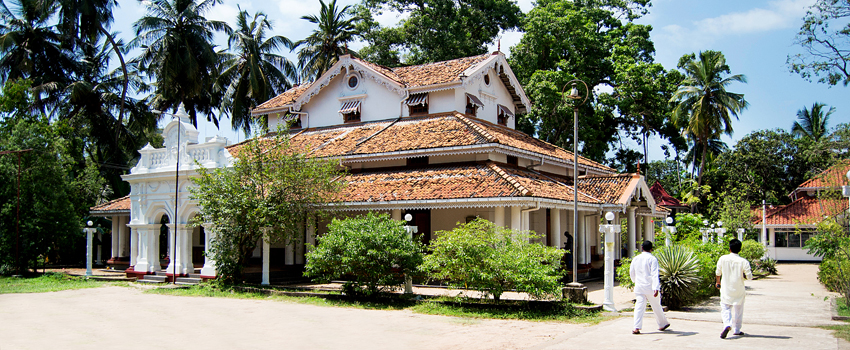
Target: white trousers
{"type": "Point", "coordinates": [733, 316]}
{"type": "Point", "coordinates": [640, 309]}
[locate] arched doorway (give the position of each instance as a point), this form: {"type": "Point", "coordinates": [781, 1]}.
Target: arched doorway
{"type": "Point", "coordinates": [164, 242]}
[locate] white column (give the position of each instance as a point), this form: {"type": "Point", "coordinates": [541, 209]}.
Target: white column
{"type": "Point", "coordinates": [555, 226]}
{"type": "Point", "coordinates": [209, 264]}
{"type": "Point", "coordinates": [499, 216]}
{"type": "Point", "coordinates": [134, 245]}
{"type": "Point", "coordinates": [516, 218]}
{"type": "Point", "coordinates": [639, 231]}
{"type": "Point", "coordinates": [630, 219]}
{"type": "Point", "coordinates": [290, 254]}
{"type": "Point", "coordinates": [311, 231]}
{"type": "Point", "coordinates": [123, 237]}
{"type": "Point", "coordinates": [116, 237]}
{"type": "Point", "coordinates": [618, 238]}
{"type": "Point", "coordinates": [148, 248]}
{"type": "Point", "coordinates": [648, 229]}
{"type": "Point", "coordinates": [299, 244]}
{"type": "Point", "coordinates": [184, 259]}
{"type": "Point", "coordinates": [266, 252]}
{"type": "Point", "coordinates": [581, 239]}
{"type": "Point", "coordinates": [525, 220]}
{"type": "Point", "coordinates": [89, 233]}
{"type": "Point", "coordinates": [396, 213]}
{"type": "Point", "coordinates": [172, 259]}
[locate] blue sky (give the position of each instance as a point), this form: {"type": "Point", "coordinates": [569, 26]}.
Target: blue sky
{"type": "Point", "coordinates": [755, 36]}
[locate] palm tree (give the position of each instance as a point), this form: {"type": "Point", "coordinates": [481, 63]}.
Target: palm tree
{"type": "Point", "coordinates": [811, 123]}
{"type": "Point", "coordinates": [30, 47]}
{"type": "Point", "coordinates": [705, 108]}
{"type": "Point", "coordinates": [322, 48]}
{"type": "Point", "coordinates": [255, 72]}
{"type": "Point", "coordinates": [179, 55]}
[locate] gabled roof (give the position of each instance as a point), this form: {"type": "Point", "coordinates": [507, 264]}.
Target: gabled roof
{"type": "Point", "coordinates": [619, 189]}
{"type": "Point", "coordinates": [663, 198]}
{"type": "Point", "coordinates": [418, 77]}
{"type": "Point", "coordinates": [804, 211]}
{"type": "Point", "coordinates": [442, 133]}
{"type": "Point", "coordinates": [454, 182]}
{"type": "Point", "coordinates": [833, 177]}
{"type": "Point", "coordinates": [115, 206]}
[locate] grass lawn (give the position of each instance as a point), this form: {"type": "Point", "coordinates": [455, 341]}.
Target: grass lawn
{"type": "Point", "coordinates": [841, 331]}
{"type": "Point", "coordinates": [49, 282]}
{"type": "Point", "coordinates": [444, 306]}
{"type": "Point", "coordinates": [843, 308]}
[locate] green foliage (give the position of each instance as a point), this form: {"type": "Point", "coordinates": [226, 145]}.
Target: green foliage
{"type": "Point", "coordinates": [373, 251]}
{"type": "Point", "coordinates": [623, 276]}
{"type": "Point", "coordinates": [668, 173]}
{"type": "Point", "coordinates": [688, 227]}
{"type": "Point", "coordinates": [322, 48]}
{"type": "Point", "coordinates": [707, 255]}
{"type": "Point", "coordinates": [734, 212]}
{"type": "Point", "coordinates": [832, 243]}
{"type": "Point", "coordinates": [767, 266]}
{"type": "Point", "coordinates": [272, 187]}
{"type": "Point", "coordinates": [425, 35]}
{"type": "Point", "coordinates": [823, 37]}
{"type": "Point", "coordinates": [679, 272]}
{"type": "Point", "coordinates": [752, 251]}
{"type": "Point", "coordinates": [812, 123]}
{"type": "Point", "coordinates": [490, 259]}
{"type": "Point", "coordinates": [49, 282]}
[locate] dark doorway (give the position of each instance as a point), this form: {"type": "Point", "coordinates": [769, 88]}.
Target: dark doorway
{"type": "Point", "coordinates": [422, 219]}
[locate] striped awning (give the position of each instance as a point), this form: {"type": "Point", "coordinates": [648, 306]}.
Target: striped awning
{"type": "Point", "coordinates": [350, 107]}
{"type": "Point", "coordinates": [474, 100]}
{"type": "Point", "coordinates": [417, 99]}
{"type": "Point", "coordinates": [506, 111]}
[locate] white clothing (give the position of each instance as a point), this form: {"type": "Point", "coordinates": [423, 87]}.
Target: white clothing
{"type": "Point", "coordinates": [732, 268]}
{"type": "Point", "coordinates": [640, 309]}
{"type": "Point", "coordinates": [644, 273]}
{"type": "Point", "coordinates": [733, 316]}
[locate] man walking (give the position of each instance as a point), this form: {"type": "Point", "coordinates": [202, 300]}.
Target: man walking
{"type": "Point", "coordinates": [731, 271]}
{"type": "Point", "coordinates": [644, 273]}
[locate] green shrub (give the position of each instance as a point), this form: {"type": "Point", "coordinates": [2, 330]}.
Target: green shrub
{"type": "Point", "coordinates": [373, 251]}
{"type": "Point", "coordinates": [831, 276]}
{"type": "Point", "coordinates": [767, 266]}
{"type": "Point", "coordinates": [490, 259]}
{"type": "Point", "coordinates": [752, 251]}
{"type": "Point", "coordinates": [707, 254]}
{"type": "Point", "coordinates": [678, 270]}
{"type": "Point", "coordinates": [623, 275]}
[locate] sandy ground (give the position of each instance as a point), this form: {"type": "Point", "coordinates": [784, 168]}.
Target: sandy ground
{"type": "Point", "coordinates": [777, 315]}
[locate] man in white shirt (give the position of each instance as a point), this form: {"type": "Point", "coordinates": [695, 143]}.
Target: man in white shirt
{"type": "Point", "coordinates": [731, 271]}
{"type": "Point", "coordinates": [644, 273]}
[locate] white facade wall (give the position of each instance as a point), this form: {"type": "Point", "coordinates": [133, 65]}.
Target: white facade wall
{"type": "Point", "coordinates": [447, 219]}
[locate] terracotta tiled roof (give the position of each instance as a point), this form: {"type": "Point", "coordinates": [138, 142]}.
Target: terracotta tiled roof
{"type": "Point", "coordinates": [608, 188]}
{"type": "Point", "coordinates": [287, 97]}
{"type": "Point", "coordinates": [116, 205]}
{"type": "Point", "coordinates": [453, 182]}
{"type": "Point", "coordinates": [833, 177]}
{"type": "Point", "coordinates": [436, 73]}
{"type": "Point", "coordinates": [804, 211]}
{"type": "Point", "coordinates": [662, 197]}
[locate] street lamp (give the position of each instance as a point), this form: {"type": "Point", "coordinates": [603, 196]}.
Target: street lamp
{"type": "Point", "coordinates": [669, 231]}
{"type": "Point", "coordinates": [578, 100]}
{"type": "Point", "coordinates": [609, 230]}
{"type": "Point", "coordinates": [181, 112]}
{"type": "Point", "coordinates": [740, 234]}
{"type": "Point", "coordinates": [89, 232]}
{"type": "Point", "coordinates": [720, 230]}
{"type": "Point", "coordinates": [408, 281]}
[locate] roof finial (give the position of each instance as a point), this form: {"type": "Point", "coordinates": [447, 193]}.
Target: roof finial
{"type": "Point", "coordinates": [499, 45]}
{"type": "Point", "coordinates": [638, 170]}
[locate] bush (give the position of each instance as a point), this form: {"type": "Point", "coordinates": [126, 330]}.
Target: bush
{"type": "Point", "coordinates": [373, 251]}
{"type": "Point", "coordinates": [707, 255]}
{"type": "Point", "coordinates": [831, 276]}
{"type": "Point", "coordinates": [767, 266]}
{"type": "Point", "coordinates": [752, 251]}
{"type": "Point", "coordinates": [623, 275]}
{"type": "Point", "coordinates": [490, 259]}
{"type": "Point", "coordinates": [678, 270]}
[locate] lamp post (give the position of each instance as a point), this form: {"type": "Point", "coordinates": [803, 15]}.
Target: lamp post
{"type": "Point", "coordinates": [408, 281]}
{"type": "Point", "coordinates": [89, 233]}
{"type": "Point", "coordinates": [578, 100]}
{"type": "Point", "coordinates": [705, 230]}
{"type": "Point", "coordinates": [669, 231]}
{"type": "Point", "coordinates": [181, 112]}
{"type": "Point", "coordinates": [609, 230]}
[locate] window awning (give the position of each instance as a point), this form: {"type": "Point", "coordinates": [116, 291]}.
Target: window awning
{"type": "Point", "coordinates": [417, 99]}
{"type": "Point", "coordinates": [350, 107]}
{"type": "Point", "coordinates": [474, 100]}
{"type": "Point", "coordinates": [506, 111]}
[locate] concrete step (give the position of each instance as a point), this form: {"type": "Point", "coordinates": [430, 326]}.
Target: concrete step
{"type": "Point", "coordinates": [153, 279]}
{"type": "Point", "coordinates": [188, 280]}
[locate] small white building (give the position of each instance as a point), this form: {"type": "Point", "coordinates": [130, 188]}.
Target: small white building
{"type": "Point", "coordinates": [436, 141]}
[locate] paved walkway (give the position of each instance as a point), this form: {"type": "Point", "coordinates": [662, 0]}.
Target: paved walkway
{"type": "Point", "coordinates": [127, 318]}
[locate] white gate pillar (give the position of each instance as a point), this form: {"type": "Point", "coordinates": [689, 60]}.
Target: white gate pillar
{"type": "Point", "coordinates": [208, 271]}
{"type": "Point", "coordinates": [630, 219]}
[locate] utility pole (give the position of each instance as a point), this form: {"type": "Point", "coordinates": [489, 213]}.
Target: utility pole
{"type": "Point", "coordinates": [18, 228]}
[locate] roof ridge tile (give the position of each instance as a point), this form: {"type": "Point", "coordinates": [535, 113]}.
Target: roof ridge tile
{"type": "Point", "coordinates": [477, 128]}
{"type": "Point", "coordinates": [504, 175]}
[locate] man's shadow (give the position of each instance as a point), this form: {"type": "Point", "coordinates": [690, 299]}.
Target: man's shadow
{"type": "Point", "coordinates": [748, 335]}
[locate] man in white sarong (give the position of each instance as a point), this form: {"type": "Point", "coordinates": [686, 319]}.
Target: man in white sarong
{"type": "Point", "coordinates": [644, 273]}
{"type": "Point", "coordinates": [731, 271]}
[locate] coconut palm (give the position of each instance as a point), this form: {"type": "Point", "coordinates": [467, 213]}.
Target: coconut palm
{"type": "Point", "coordinates": [254, 73]}
{"type": "Point", "coordinates": [321, 49]}
{"type": "Point", "coordinates": [178, 54]}
{"type": "Point", "coordinates": [705, 108]}
{"type": "Point", "coordinates": [30, 47]}
{"type": "Point", "coordinates": [812, 123]}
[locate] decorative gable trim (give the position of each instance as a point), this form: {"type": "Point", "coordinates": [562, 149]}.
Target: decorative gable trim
{"type": "Point", "coordinates": [497, 63]}
{"type": "Point", "coordinates": [350, 65]}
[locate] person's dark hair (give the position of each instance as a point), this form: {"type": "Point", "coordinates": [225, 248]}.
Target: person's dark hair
{"type": "Point", "coordinates": [735, 246]}
{"type": "Point", "coordinates": [646, 246]}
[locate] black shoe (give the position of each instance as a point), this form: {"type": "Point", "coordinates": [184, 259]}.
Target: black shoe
{"type": "Point", "coordinates": [739, 334]}
{"type": "Point", "coordinates": [664, 328]}
{"type": "Point", "coordinates": [725, 332]}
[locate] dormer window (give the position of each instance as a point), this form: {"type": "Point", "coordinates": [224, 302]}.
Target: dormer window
{"type": "Point", "coordinates": [350, 111]}
{"type": "Point", "coordinates": [472, 104]}
{"type": "Point", "coordinates": [503, 114]}
{"type": "Point", "coordinates": [418, 104]}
